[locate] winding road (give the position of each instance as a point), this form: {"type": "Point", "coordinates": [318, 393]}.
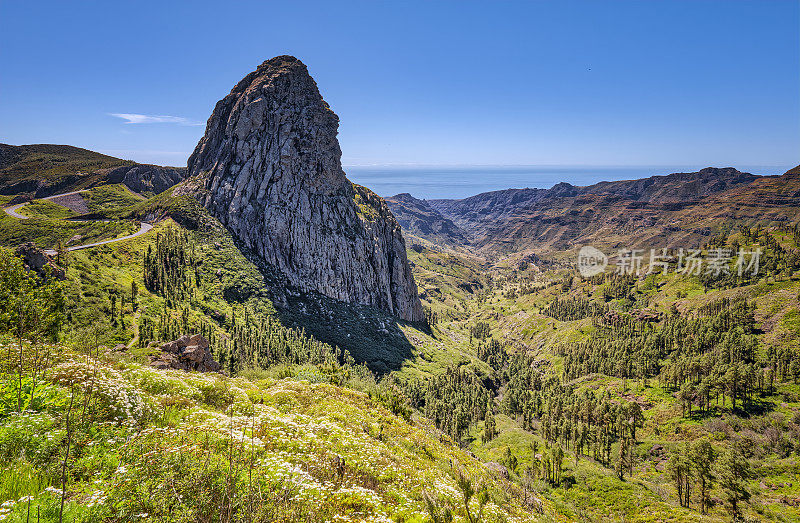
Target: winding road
{"type": "Point", "coordinates": [12, 211]}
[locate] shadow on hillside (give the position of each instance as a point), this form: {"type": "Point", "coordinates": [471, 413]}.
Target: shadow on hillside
{"type": "Point", "coordinates": [754, 407]}
{"type": "Point", "coordinates": [369, 335]}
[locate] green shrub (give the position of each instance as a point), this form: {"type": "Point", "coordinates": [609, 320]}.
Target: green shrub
{"type": "Point", "coordinates": [31, 437]}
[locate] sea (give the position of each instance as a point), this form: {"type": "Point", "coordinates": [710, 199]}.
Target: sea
{"type": "Point", "coordinates": [431, 182]}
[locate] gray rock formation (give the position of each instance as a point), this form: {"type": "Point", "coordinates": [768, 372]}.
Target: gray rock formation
{"type": "Point", "coordinates": [36, 260]}
{"type": "Point", "coordinates": [269, 168]}
{"type": "Point", "coordinates": [186, 353]}
{"type": "Point", "coordinates": [144, 178]}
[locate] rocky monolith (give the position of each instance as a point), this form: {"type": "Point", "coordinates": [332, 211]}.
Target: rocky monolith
{"type": "Point", "coordinates": [269, 168]}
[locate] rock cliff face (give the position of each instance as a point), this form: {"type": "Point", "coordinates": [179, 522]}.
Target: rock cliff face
{"type": "Point", "coordinates": [270, 169]}
{"type": "Point", "coordinates": [144, 178]}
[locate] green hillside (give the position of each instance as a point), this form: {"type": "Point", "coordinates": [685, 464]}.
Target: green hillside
{"type": "Point", "coordinates": [625, 376]}
{"type": "Point", "coordinates": [24, 168]}
{"type": "Point", "coordinates": [553, 397]}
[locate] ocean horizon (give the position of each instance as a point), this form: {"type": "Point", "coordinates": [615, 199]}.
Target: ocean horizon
{"type": "Point", "coordinates": [432, 182]}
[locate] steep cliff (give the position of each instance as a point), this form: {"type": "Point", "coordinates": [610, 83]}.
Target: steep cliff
{"type": "Point", "coordinates": [269, 168]}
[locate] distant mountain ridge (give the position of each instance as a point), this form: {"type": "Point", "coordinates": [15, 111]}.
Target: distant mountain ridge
{"type": "Point", "coordinates": [686, 206]}
{"type": "Point", "coordinates": [676, 187]}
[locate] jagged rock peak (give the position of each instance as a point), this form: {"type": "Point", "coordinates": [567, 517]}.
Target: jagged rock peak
{"type": "Point", "coordinates": [270, 169]}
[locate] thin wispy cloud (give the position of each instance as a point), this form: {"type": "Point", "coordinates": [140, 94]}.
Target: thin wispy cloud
{"type": "Point", "coordinates": [133, 118]}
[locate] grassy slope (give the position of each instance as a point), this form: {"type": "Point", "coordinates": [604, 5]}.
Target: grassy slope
{"type": "Point", "coordinates": [52, 164]}
{"type": "Point", "coordinates": [96, 273]}
{"type": "Point", "coordinates": [45, 209]}
{"type": "Point", "coordinates": [107, 197]}
{"type": "Point", "coordinates": [301, 426]}
{"type": "Point", "coordinates": [46, 232]}
{"type": "Point", "coordinates": [445, 279]}
{"type": "Point", "coordinates": [166, 445]}
{"type": "Point", "coordinates": [597, 494]}
{"type": "Point", "coordinates": [226, 268]}
{"type": "Point", "coordinates": [47, 225]}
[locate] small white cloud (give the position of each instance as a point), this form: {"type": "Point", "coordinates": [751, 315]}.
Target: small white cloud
{"type": "Point", "coordinates": [132, 118]}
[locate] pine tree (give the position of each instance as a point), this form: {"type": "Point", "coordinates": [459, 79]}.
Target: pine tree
{"type": "Point", "coordinates": [490, 427]}
{"type": "Point", "coordinates": [702, 456]}
{"type": "Point", "coordinates": [733, 471]}
{"type": "Point", "coordinates": [134, 294]}
{"type": "Point", "coordinates": [680, 471]}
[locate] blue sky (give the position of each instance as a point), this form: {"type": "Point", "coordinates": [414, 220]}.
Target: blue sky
{"type": "Point", "coordinates": [433, 83]}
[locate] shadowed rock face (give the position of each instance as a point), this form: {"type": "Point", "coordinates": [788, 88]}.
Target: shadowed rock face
{"type": "Point", "coordinates": [270, 166]}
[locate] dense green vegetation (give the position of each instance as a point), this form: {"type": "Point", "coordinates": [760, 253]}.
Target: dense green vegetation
{"type": "Point", "coordinates": [683, 385]}
{"type": "Point", "coordinates": [656, 398]}
{"type": "Point", "coordinates": [88, 434]}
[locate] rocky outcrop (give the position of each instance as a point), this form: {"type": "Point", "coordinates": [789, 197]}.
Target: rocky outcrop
{"type": "Point", "coordinates": [142, 178]}
{"type": "Point", "coordinates": [269, 168]}
{"type": "Point", "coordinates": [36, 260]}
{"type": "Point", "coordinates": [186, 353]}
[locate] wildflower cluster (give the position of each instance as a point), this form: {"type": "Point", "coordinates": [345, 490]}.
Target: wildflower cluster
{"type": "Point", "coordinates": [107, 385]}
{"type": "Point", "coordinates": [286, 449]}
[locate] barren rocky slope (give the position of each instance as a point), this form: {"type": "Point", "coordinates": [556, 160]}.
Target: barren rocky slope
{"type": "Point", "coordinates": [418, 218]}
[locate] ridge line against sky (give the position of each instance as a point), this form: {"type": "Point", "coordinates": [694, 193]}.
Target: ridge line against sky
{"type": "Point", "coordinates": [614, 83]}
{"type": "Point", "coordinates": [461, 182]}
